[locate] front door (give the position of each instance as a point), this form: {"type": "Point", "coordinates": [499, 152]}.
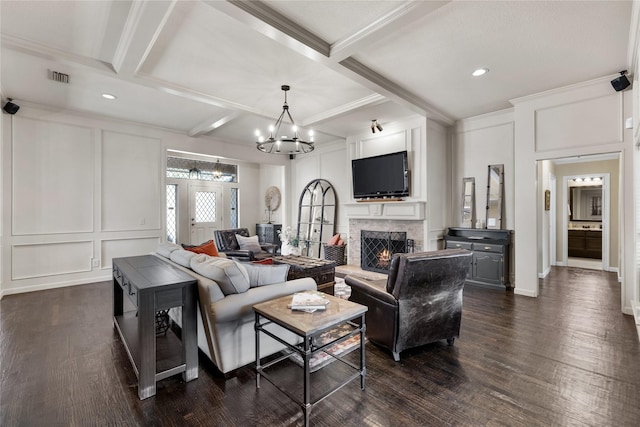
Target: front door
{"type": "Point", "coordinates": [205, 211]}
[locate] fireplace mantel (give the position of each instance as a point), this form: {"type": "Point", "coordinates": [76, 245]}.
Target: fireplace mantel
{"type": "Point", "coordinates": [409, 211]}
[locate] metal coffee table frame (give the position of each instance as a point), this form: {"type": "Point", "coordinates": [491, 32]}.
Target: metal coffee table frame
{"type": "Point", "coordinates": [307, 349]}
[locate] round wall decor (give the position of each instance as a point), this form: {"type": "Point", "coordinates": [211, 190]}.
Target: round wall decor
{"type": "Point", "coordinates": [272, 198]}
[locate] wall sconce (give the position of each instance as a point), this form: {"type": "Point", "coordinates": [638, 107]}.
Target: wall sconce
{"type": "Point", "coordinates": [375, 125]}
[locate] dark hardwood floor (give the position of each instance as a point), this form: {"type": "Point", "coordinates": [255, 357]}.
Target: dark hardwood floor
{"type": "Point", "coordinates": [568, 357]}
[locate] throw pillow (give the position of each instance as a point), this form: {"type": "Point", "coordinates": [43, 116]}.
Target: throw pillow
{"type": "Point", "coordinates": [165, 249]}
{"type": "Point", "coordinates": [182, 257]}
{"type": "Point", "coordinates": [334, 240]}
{"type": "Point", "coordinates": [231, 276]}
{"type": "Point", "coordinates": [261, 275]}
{"type": "Point", "coordinates": [248, 243]}
{"type": "Point", "coordinates": [208, 248]}
{"type": "Point", "coordinates": [266, 261]}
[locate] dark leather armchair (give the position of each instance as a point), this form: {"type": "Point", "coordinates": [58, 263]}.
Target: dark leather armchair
{"type": "Point", "coordinates": [419, 303]}
{"type": "Point", "coordinates": [226, 242]}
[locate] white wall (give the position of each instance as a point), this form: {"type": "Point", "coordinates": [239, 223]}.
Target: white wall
{"type": "Point", "coordinates": [328, 162]}
{"type": "Point", "coordinates": [479, 142]}
{"type": "Point", "coordinates": [78, 190]}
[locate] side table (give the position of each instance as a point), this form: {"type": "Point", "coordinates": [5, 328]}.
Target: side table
{"type": "Point", "coordinates": [308, 326]}
{"type": "Point", "coordinates": [153, 285]}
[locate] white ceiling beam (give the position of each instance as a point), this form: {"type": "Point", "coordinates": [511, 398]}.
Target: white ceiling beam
{"type": "Point", "coordinates": [382, 27]}
{"type": "Point", "coordinates": [53, 54]}
{"type": "Point", "coordinates": [368, 101]}
{"type": "Point", "coordinates": [209, 125]}
{"type": "Point", "coordinates": [395, 92]}
{"type": "Point", "coordinates": [142, 28]}
{"type": "Point", "coordinates": [260, 17]}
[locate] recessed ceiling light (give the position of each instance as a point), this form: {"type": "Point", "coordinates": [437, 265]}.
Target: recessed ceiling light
{"type": "Point", "coordinates": [109, 96]}
{"type": "Point", "coordinates": [479, 72]}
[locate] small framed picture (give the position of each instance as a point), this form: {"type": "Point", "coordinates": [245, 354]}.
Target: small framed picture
{"type": "Point", "coordinates": [547, 200]}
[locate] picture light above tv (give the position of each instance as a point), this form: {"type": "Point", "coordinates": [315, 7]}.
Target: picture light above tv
{"type": "Point", "coordinates": [384, 176]}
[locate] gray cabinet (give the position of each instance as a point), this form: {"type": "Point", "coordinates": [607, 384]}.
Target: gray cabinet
{"type": "Point", "coordinates": [490, 261]}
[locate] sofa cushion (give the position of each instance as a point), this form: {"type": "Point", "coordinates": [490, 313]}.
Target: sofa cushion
{"type": "Point", "coordinates": [230, 275]}
{"type": "Point", "coordinates": [208, 248]}
{"type": "Point", "coordinates": [260, 275]}
{"type": "Point", "coordinates": [165, 249]}
{"type": "Point", "coordinates": [182, 257]}
{"type": "Point", "coordinates": [248, 243]}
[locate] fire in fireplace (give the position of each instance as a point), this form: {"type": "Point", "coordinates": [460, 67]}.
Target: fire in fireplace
{"type": "Point", "coordinates": [378, 247]}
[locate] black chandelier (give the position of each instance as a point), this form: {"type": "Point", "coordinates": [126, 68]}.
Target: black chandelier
{"type": "Point", "coordinates": [281, 144]}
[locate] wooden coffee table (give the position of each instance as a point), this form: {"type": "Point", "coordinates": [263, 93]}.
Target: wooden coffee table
{"type": "Point", "coordinates": [309, 326]}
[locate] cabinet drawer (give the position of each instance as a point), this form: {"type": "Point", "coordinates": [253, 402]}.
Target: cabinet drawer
{"type": "Point", "coordinates": [487, 247]}
{"type": "Point", "coordinates": [459, 245]}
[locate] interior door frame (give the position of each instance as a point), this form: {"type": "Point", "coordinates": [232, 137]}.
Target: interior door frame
{"type": "Point", "coordinates": [606, 216]}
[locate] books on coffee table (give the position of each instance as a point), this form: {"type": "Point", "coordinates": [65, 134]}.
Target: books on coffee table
{"type": "Point", "coordinates": [307, 301]}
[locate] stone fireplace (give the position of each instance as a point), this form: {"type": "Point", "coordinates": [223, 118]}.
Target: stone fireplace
{"type": "Point", "coordinates": [411, 230]}
{"type": "Point", "coordinates": [405, 216]}
{"type": "Point", "coordinates": [377, 248]}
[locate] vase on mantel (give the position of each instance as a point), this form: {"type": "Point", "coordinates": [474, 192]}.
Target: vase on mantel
{"type": "Point", "coordinates": [288, 249]}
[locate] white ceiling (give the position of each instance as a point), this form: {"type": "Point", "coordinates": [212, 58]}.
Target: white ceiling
{"type": "Point", "coordinates": [215, 67]}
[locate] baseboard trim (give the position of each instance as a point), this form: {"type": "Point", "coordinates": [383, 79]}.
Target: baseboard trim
{"type": "Point", "coordinates": [532, 294]}
{"type": "Point", "coordinates": [44, 287]}
{"type": "Point", "coordinates": [544, 273]}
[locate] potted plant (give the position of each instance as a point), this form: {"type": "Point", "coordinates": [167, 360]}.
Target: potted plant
{"type": "Point", "coordinates": [290, 242]}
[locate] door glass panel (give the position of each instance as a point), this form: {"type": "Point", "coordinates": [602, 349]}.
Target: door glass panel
{"type": "Point", "coordinates": [205, 206]}
{"type": "Point", "coordinates": [171, 213]}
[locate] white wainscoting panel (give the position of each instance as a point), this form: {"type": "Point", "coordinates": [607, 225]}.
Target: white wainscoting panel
{"type": "Point", "coordinates": [578, 124]}
{"type": "Point", "coordinates": [53, 177]}
{"type": "Point", "coordinates": [48, 259]}
{"type": "Point", "coordinates": [387, 143]}
{"type": "Point", "coordinates": [117, 248]}
{"type": "Point", "coordinates": [128, 160]}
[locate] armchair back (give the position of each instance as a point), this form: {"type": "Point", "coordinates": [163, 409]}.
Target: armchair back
{"type": "Point", "coordinates": [226, 239]}
{"type": "Point", "coordinates": [421, 302]}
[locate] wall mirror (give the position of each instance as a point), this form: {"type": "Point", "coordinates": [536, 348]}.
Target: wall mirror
{"type": "Point", "coordinates": [469, 202]}
{"type": "Point", "coordinates": [495, 186]}
{"type": "Point", "coordinates": [316, 216]}
{"type": "Point", "coordinates": [585, 203]}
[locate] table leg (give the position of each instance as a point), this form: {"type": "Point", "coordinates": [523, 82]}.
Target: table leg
{"type": "Point", "coordinates": [147, 345]}
{"type": "Point", "coordinates": [363, 369]}
{"type": "Point", "coordinates": [307, 380]}
{"type": "Point", "coordinates": [189, 333]}
{"type": "Point", "coordinates": [256, 326]}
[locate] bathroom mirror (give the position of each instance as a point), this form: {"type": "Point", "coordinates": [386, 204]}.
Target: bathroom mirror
{"type": "Point", "coordinates": [585, 203]}
{"type": "Point", "coordinates": [495, 185]}
{"type": "Point", "coordinates": [469, 202]}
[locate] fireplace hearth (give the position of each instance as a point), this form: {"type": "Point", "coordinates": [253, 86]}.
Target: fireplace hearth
{"type": "Point", "coordinates": [377, 248]}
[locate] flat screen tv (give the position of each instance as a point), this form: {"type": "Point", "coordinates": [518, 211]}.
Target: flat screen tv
{"type": "Point", "coordinates": [381, 176]}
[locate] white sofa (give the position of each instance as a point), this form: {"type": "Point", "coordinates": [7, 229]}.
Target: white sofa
{"type": "Point", "coordinates": [225, 314]}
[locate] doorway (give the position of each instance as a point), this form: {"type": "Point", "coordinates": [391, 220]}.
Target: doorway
{"type": "Point", "coordinates": [205, 211]}
{"type": "Point", "coordinates": [603, 211]}
{"type": "Point", "coordinates": [586, 201]}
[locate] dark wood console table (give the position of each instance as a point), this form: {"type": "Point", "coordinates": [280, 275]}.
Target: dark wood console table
{"type": "Point", "coordinates": [153, 285]}
{"type": "Point", "coordinates": [490, 261]}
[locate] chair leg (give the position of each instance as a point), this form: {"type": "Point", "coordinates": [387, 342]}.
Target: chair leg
{"type": "Point", "coordinates": [396, 356]}
{"type": "Point", "coordinates": [450, 341]}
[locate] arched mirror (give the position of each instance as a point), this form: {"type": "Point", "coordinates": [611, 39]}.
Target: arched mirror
{"type": "Point", "coordinates": [495, 186]}
{"type": "Point", "coordinates": [468, 202]}
{"type": "Point", "coordinates": [316, 216]}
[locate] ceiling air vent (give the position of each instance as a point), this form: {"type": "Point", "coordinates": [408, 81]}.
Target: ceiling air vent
{"type": "Point", "coordinates": [59, 77]}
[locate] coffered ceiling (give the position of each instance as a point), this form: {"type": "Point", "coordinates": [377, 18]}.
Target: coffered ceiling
{"type": "Point", "coordinates": [214, 68]}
